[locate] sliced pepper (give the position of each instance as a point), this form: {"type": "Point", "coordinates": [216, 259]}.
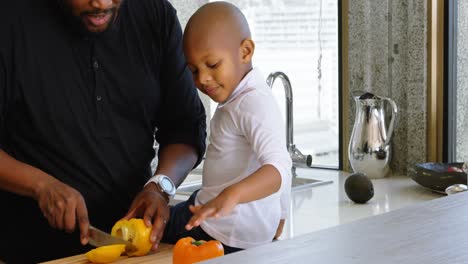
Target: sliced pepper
{"type": "Point", "coordinates": [135, 231]}
{"type": "Point", "coordinates": [105, 254]}
{"type": "Point", "coordinates": [188, 251]}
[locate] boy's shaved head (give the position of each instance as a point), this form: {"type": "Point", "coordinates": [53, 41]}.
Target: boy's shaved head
{"type": "Point", "coordinates": [218, 20]}
{"type": "Point", "coordinates": [218, 49]}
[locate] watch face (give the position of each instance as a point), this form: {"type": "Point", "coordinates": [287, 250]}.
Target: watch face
{"type": "Point", "coordinates": [167, 185]}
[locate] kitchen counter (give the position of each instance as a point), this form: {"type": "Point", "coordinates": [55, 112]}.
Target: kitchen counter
{"type": "Point", "coordinates": [327, 205]}
{"type": "Point", "coordinates": [323, 207]}
{"type": "Point", "coordinates": [430, 232]}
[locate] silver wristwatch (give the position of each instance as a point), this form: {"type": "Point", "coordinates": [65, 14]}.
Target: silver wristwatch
{"type": "Point", "coordinates": [164, 184]}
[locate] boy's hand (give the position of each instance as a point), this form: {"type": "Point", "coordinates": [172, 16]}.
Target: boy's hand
{"type": "Point", "coordinates": [222, 205]}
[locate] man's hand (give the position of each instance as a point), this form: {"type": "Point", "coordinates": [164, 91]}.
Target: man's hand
{"type": "Point", "coordinates": [222, 205]}
{"type": "Point", "coordinates": [63, 207]}
{"type": "Point", "coordinates": [152, 205]}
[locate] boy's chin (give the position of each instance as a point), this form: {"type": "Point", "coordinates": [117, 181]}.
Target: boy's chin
{"type": "Point", "coordinates": [217, 99]}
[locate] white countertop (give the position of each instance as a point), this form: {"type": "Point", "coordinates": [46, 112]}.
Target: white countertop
{"type": "Point", "coordinates": [327, 205]}
{"type": "Point", "coordinates": [430, 232]}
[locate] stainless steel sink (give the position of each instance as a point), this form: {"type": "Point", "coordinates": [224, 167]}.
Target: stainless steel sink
{"type": "Point", "coordinates": [303, 183]}
{"type": "Point", "coordinates": [191, 183]}
{"type": "Point", "coordinates": [188, 188]}
{"type": "Point", "coordinates": [298, 183]}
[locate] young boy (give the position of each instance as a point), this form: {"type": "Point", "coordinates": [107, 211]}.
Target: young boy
{"type": "Point", "coordinates": [247, 167]}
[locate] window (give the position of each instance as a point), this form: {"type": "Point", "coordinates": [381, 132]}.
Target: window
{"type": "Point", "coordinates": [457, 81]}
{"type": "Point", "coordinates": [301, 39]}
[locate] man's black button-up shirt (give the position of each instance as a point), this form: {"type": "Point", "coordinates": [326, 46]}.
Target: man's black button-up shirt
{"type": "Point", "coordinates": [86, 109]}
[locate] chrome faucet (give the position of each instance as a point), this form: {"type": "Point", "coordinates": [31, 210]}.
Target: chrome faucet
{"type": "Point", "coordinates": [299, 160]}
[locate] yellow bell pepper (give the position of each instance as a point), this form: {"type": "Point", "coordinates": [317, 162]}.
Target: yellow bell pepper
{"type": "Point", "coordinates": [105, 254]}
{"type": "Point", "coordinates": [135, 231]}
{"type": "Point", "coordinates": [188, 251]}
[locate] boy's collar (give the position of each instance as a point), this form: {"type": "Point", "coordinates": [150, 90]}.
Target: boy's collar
{"type": "Point", "coordinates": [250, 78]}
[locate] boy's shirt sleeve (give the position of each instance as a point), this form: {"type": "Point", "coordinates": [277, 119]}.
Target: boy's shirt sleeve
{"type": "Point", "coordinates": [263, 127]}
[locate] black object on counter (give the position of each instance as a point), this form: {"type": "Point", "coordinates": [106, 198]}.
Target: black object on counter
{"type": "Point", "coordinates": [438, 176]}
{"type": "Point", "coordinates": [359, 188]}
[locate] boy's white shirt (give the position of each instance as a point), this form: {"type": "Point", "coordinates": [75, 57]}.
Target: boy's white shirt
{"type": "Point", "coordinates": [246, 132]}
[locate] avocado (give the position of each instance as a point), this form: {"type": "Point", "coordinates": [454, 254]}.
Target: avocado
{"type": "Point", "coordinates": [359, 188]}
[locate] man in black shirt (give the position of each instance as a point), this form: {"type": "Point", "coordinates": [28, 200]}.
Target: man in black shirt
{"type": "Point", "coordinates": [85, 88]}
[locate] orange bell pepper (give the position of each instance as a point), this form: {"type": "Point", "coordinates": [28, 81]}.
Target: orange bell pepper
{"type": "Point", "coordinates": [135, 231]}
{"type": "Point", "coordinates": [188, 251]}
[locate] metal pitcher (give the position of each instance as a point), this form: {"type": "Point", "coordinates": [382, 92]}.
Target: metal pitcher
{"type": "Point", "coordinates": [369, 148]}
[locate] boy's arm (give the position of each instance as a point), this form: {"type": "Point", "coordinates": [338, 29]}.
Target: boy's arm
{"type": "Point", "coordinates": [262, 183]}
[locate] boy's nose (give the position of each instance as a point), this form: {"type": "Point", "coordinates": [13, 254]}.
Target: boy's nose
{"type": "Point", "coordinates": [204, 77]}
{"type": "Point", "coordinates": [102, 4]}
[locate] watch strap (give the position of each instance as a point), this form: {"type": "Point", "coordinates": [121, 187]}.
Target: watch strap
{"type": "Point", "coordinates": [156, 180]}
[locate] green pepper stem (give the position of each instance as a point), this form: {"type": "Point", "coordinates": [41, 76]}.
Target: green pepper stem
{"type": "Point", "coordinates": [198, 243]}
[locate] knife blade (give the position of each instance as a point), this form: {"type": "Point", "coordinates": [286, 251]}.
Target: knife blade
{"type": "Point", "coordinates": [99, 238]}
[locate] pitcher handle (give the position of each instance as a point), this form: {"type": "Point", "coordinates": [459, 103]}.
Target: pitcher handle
{"type": "Point", "coordinates": [357, 93]}
{"type": "Point", "coordinates": [392, 120]}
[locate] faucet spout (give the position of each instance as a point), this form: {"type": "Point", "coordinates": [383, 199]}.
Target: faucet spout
{"type": "Point", "coordinates": [289, 105]}
{"type": "Point", "coordinates": [299, 159]}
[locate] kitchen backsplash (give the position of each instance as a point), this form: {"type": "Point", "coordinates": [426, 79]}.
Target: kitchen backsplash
{"type": "Point", "coordinates": [462, 82]}
{"type": "Point", "coordinates": [388, 56]}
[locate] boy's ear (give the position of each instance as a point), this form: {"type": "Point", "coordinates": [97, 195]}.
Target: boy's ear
{"type": "Point", "coordinates": [247, 49]}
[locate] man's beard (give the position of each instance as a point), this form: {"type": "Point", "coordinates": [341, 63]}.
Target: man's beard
{"type": "Point", "coordinates": [77, 22]}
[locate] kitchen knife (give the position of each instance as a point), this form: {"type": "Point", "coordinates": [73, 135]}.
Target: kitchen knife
{"type": "Point", "coordinates": [99, 238]}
